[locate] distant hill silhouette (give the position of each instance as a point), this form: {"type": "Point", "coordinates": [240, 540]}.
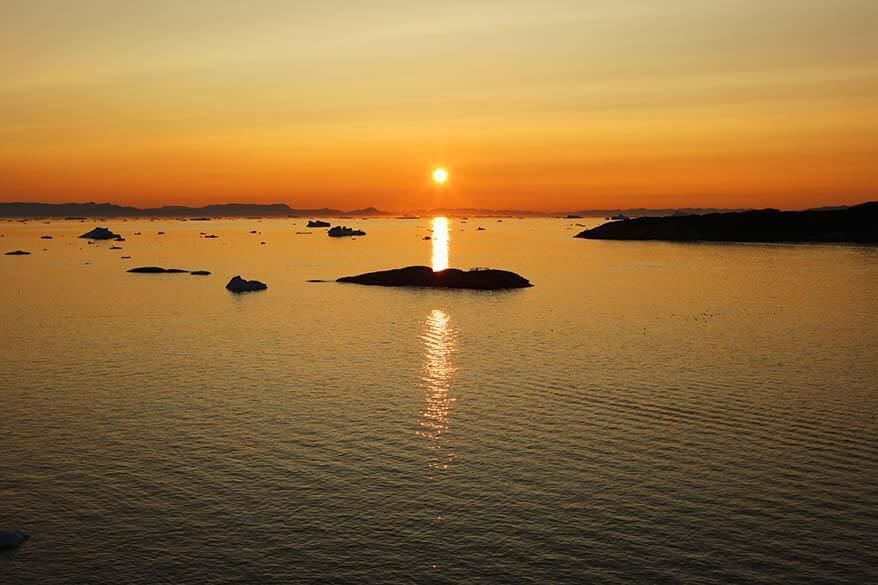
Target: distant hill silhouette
{"type": "Point", "coordinates": [631, 212]}
{"type": "Point", "coordinates": [96, 210]}
{"type": "Point", "coordinates": [858, 223]}
{"type": "Point", "coordinates": [217, 210]}
{"type": "Point", "coordinates": [646, 212]}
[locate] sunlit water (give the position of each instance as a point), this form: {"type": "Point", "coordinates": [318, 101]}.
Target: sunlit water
{"type": "Point", "coordinates": [647, 413]}
{"type": "Point", "coordinates": [441, 244]}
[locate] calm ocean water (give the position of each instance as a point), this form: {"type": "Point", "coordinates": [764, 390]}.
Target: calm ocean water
{"type": "Point", "coordinates": [647, 413]}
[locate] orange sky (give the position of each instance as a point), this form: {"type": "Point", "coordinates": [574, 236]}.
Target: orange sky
{"type": "Point", "coordinates": [530, 105]}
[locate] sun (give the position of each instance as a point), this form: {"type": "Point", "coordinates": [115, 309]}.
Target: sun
{"type": "Point", "coordinates": [440, 175]}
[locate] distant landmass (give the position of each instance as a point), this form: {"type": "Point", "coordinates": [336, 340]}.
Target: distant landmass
{"type": "Point", "coordinates": [858, 223]}
{"type": "Point", "coordinates": [96, 210]}
{"type": "Point", "coordinates": [644, 212]}
{"type": "Point", "coordinates": [218, 210]}
{"type": "Point", "coordinates": [633, 212]}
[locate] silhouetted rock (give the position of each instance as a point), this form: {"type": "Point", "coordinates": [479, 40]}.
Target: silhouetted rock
{"type": "Point", "coordinates": [200, 273]}
{"type": "Point", "coordinates": [157, 270]}
{"type": "Point", "coordinates": [115, 247]}
{"type": "Point", "coordinates": [481, 278]}
{"type": "Point", "coordinates": [341, 231]}
{"type": "Point", "coordinates": [211, 236]}
{"type": "Point", "coordinates": [480, 229]}
{"type": "Point", "coordinates": [853, 224]}
{"type": "Point", "coordinates": [12, 538]}
{"type": "Point", "coordinates": [316, 223]}
{"type": "Point", "coordinates": [100, 233]}
{"type": "Point", "coordinates": [45, 237]}
{"type": "Point", "coordinates": [239, 285]}
{"type": "Point", "coordinates": [18, 253]}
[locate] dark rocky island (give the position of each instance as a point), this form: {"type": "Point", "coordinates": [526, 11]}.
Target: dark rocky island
{"type": "Point", "coordinates": [341, 231]}
{"type": "Point", "coordinates": [100, 233]}
{"type": "Point", "coordinates": [316, 223]}
{"type": "Point", "coordinates": [18, 253]}
{"type": "Point", "coordinates": [200, 273]}
{"type": "Point", "coordinates": [239, 285]}
{"type": "Point", "coordinates": [157, 270]}
{"type": "Point", "coordinates": [423, 276]}
{"type": "Point", "coordinates": [858, 223]}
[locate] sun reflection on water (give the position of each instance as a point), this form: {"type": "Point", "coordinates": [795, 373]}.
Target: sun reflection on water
{"type": "Point", "coordinates": [439, 346]}
{"type": "Point", "coordinates": [440, 243]}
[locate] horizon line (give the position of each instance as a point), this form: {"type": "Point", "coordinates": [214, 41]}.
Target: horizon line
{"type": "Point", "coordinates": [372, 210]}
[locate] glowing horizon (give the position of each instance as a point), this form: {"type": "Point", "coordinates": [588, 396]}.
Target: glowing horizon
{"type": "Point", "coordinates": [564, 105]}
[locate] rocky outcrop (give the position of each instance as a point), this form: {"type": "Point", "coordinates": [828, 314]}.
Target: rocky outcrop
{"type": "Point", "coordinates": [853, 224]}
{"type": "Point", "coordinates": [18, 253]}
{"type": "Point", "coordinates": [316, 223]}
{"type": "Point", "coordinates": [423, 276]}
{"type": "Point", "coordinates": [240, 285]}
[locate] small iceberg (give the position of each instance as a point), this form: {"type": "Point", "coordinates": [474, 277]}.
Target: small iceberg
{"type": "Point", "coordinates": [341, 231]}
{"type": "Point", "coordinates": [100, 233]}
{"type": "Point", "coordinates": [12, 538]}
{"type": "Point", "coordinates": [156, 270]}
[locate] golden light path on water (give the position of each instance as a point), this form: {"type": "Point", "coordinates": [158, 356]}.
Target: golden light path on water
{"type": "Point", "coordinates": [439, 346]}
{"type": "Point", "coordinates": [440, 243]}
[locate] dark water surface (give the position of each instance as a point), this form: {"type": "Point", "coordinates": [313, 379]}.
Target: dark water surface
{"type": "Point", "coordinates": [647, 413]}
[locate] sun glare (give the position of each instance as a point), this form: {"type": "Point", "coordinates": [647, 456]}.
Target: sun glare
{"type": "Point", "coordinates": [440, 175]}
{"type": "Point", "coordinates": [440, 243]}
